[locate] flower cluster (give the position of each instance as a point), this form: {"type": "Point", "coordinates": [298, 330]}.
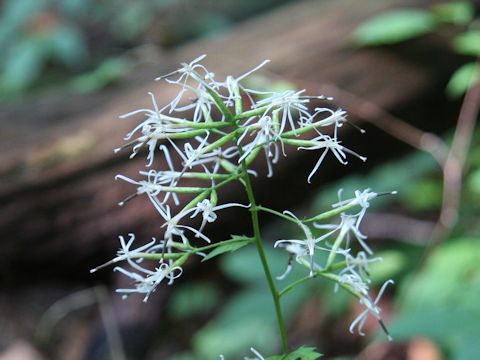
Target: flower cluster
{"type": "Point", "coordinates": [351, 272]}
{"type": "Point", "coordinates": [205, 138]}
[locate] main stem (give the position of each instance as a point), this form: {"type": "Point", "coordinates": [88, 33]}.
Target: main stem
{"type": "Point", "coordinates": [263, 258]}
{"type": "Point", "coordinates": [254, 211]}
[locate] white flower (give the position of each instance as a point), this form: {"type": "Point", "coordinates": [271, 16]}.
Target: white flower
{"type": "Point", "coordinates": [146, 281]}
{"type": "Point", "coordinates": [295, 250]}
{"type": "Point", "coordinates": [201, 99]}
{"type": "Point", "coordinates": [355, 282]}
{"type": "Point", "coordinates": [337, 118]}
{"type": "Point", "coordinates": [328, 143]}
{"type": "Point", "coordinates": [289, 101]}
{"type": "Point", "coordinates": [217, 158]}
{"type": "Point", "coordinates": [211, 161]}
{"type": "Point", "coordinates": [155, 183]}
{"type": "Point", "coordinates": [152, 187]}
{"type": "Point", "coordinates": [173, 228]}
{"type": "Point", "coordinates": [359, 264]}
{"type": "Point", "coordinates": [349, 224]}
{"type": "Point", "coordinates": [207, 209]}
{"type": "Point", "coordinates": [265, 137]}
{"type": "Point", "coordinates": [258, 356]}
{"type": "Point", "coordinates": [201, 102]}
{"type": "Point", "coordinates": [125, 252]}
{"type": "Point", "coordinates": [192, 156]}
{"type": "Point", "coordinates": [156, 126]}
{"type": "Point", "coordinates": [305, 246]}
{"type": "Point", "coordinates": [187, 70]}
{"type": "Point", "coordinates": [232, 83]}
{"type": "Point", "coordinates": [362, 198]}
{"type": "Point", "coordinates": [371, 308]}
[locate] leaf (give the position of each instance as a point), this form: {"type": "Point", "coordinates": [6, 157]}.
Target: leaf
{"type": "Point", "coordinates": [468, 43]}
{"type": "Point", "coordinates": [424, 194]}
{"type": "Point", "coordinates": [229, 247]}
{"type": "Point", "coordinates": [302, 353]}
{"type": "Point", "coordinates": [473, 182]}
{"type": "Point", "coordinates": [441, 301]}
{"type": "Point", "coordinates": [107, 72]}
{"type": "Point", "coordinates": [393, 27]}
{"type": "Point", "coordinates": [456, 12]}
{"type": "Point", "coordinates": [394, 262]}
{"type": "Point", "coordinates": [450, 278]}
{"type": "Point", "coordinates": [462, 79]}
{"type": "Point", "coordinates": [69, 46]}
{"type": "Point", "coordinates": [24, 64]}
{"type": "Point", "coordinates": [132, 20]}
{"type": "Point", "coordinates": [13, 17]}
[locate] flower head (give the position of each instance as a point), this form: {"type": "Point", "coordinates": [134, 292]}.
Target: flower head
{"type": "Point", "coordinates": [371, 307]}
{"type": "Point", "coordinates": [305, 246]}
{"type": "Point", "coordinates": [146, 281]}
{"type": "Point", "coordinates": [327, 143]}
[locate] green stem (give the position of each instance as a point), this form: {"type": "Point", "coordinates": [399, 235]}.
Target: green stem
{"type": "Point", "coordinates": [331, 268]}
{"type": "Point", "coordinates": [187, 248]}
{"type": "Point", "coordinates": [333, 251]}
{"type": "Point", "coordinates": [277, 213]}
{"type": "Point", "coordinates": [263, 259]}
{"type": "Point", "coordinates": [245, 179]}
{"type": "Point", "coordinates": [253, 112]}
{"type": "Point", "coordinates": [290, 287]}
{"type": "Point", "coordinates": [212, 246]}
{"type": "Point", "coordinates": [331, 213]}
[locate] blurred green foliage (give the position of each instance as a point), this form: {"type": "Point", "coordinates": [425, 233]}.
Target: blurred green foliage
{"type": "Point", "coordinates": [441, 302]}
{"type": "Point", "coordinates": [403, 24]}
{"type": "Point", "coordinates": [86, 43]}
{"type": "Point", "coordinates": [394, 26]}
{"type": "Point", "coordinates": [246, 318]}
{"type": "Point", "coordinates": [462, 79]}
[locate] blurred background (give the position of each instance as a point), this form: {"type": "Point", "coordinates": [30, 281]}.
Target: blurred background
{"type": "Point", "coordinates": [405, 71]}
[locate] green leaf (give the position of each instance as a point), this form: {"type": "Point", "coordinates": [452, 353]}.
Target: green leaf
{"type": "Point", "coordinates": [451, 277]}
{"type": "Point", "coordinates": [69, 46]}
{"type": "Point", "coordinates": [462, 79]}
{"type": "Point", "coordinates": [13, 17]}
{"type": "Point", "coordinates": [24, 64]}
{"type": "Point", "coordinates": [441, 302]}
{"type": "Point", "coordinates": [302, 353]}
{"type": "Point", "coordinates": [394, 26]}
{"type": "Point", "coordinates": [473, 182]}
{"type": "Point", "coordinates": [394, 262]}
{"type": "Point", "coordinates": [132, 20]}
{"type": "Point", "coordinates": [229, 247]}
{"type": "Point", "coordinates": [456, 12]}
{"type": "Point", "coordinates": [424, 194]}
{"type": "Point", "coordinates": [468, 43]}
{"type": "Point", "coordinates": [107, 72]}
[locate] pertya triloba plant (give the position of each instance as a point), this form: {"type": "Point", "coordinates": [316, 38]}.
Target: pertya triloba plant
{"type": "Point", "coordinates": [216, 129]}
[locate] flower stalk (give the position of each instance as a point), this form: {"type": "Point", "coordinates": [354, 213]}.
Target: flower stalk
{"type": "Point", "coordinates": [216, 148]}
